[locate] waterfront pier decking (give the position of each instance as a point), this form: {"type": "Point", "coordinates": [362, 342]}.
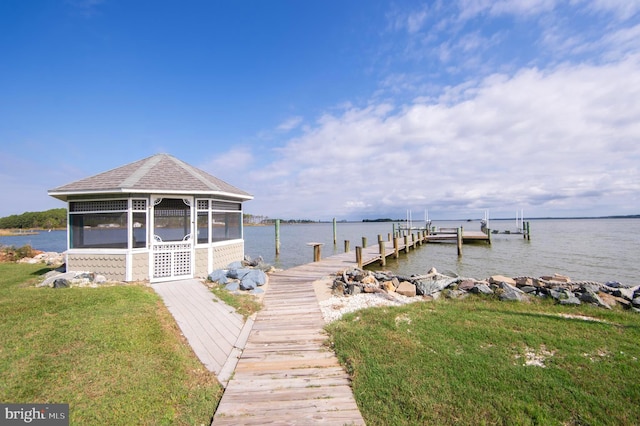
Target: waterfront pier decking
{"type": "Point", "coordinates": [286, 373]}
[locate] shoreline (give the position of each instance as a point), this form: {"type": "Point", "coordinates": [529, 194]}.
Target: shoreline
{"type": "Point", "coordinates": [17, 232]}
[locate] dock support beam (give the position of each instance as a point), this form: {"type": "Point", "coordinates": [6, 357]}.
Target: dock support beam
{"type": "Point", "coordinates": [459, 232]}
{"type": "Point", "coordinates": [277, 237]}
{"type": "Point", "coordinates": [383, 255]}
{"type": "Point", "coordinates": [395, 247]}
{"type": "Point", "coordinates": [346, 246]}
{"type": "Point", "coordinates": [316, 251]}
{"type": "Point", "coordinates": [335, 232]}
{"type": "Point", "coordinates": [359, 256]}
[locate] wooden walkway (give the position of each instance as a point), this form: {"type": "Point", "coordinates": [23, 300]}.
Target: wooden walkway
{"type": "Point", "coordinates": [213, 329]}
{"type": "Point", "coordinates": [277, 370]}
{"type": "Point", "coordinates": [286, 374]}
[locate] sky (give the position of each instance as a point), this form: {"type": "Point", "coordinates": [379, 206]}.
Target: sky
{"type": "Point", "coordinates": [330, 108]}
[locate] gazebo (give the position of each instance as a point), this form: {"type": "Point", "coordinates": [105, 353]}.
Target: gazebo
{"type": "Point", "coordinates": [157, 219]}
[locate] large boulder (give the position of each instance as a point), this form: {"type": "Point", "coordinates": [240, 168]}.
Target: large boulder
{"type": "Point", "coordinates": [406, 289]}
{"type": "Point", "coordinates": [430, 286]}
{"type": "Point", "coordinates": [481, 288]}
{"type": "Point", "coordinates": [625, 293]}
{"type": "Point", "coordinates": [510, 293]}
{"type": "Point", "coordinates": [61, 283]}
{"type": "Point", "coordinates": [232, 286]}
{"type": "Point", "coordinates": [592, 297]}
{"type": "Point", "coordinates": [219, 276]}
{"type": "Point", "coordinates": [252, 279]}
{"type": "Point", "coordinates": [238, 273]}
{"type": "Point", "coordinates": [466, 285]}
{"type": "Point", "coordinates": [559, 293]}
{"type": "Point", "coordinates": [497, 279]}
{"type": "Point", "coordinates": [571, 300]}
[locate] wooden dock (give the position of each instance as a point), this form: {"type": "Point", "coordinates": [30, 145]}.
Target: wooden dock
{"type": "Point", "coordinates": [286, 373]}
{"type": "Point", "coordinates": [467, 236]}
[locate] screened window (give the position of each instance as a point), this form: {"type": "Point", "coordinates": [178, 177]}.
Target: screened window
{"type": "Point", "coordinates": [203, 227]}
{"type": "Point", "coordinates": [218, 221]}
{"type": "Point", "coordinates": [139, 230]}
{"type": "Point", "coordinates": [98, 224]}
{"type": "Point", "coordinates": [105, 224]}
{"type": "Point", "coordinates": [226, 226]}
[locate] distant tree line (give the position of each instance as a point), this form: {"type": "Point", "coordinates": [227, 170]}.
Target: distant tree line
{"type": "Point", "coordinates": [54, 218]}
{"type": "Point", "coordinates": [57, 218]}
{"type": "Point", "coordinates": [251, 219]}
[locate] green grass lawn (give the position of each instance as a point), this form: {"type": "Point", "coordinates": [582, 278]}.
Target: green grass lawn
{"type": "Point", "coordinates": [465, 362]}
{"type": "Point", "coordinates": [114, 354]}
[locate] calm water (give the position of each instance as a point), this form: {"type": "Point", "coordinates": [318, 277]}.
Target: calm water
{"type": "Point", "coordinates": [584, 249]}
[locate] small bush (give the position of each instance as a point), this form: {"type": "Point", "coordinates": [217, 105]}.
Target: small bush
{"type": "Point", "coordinates": [13, 253]}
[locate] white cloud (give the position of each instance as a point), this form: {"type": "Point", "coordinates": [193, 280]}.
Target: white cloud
{"type": "Point", "coordinates": [416, 20]}
{"type": "Point", "coordinates": [230, 166]}
{"type": "Point", "coordinates": [472, 8]}
{"type": "Point", "coordinates": [557, 140]}
{"type": "Point", "coordinates": [623, 9]}
{"type": "Point", "coordinates": [290, 123]}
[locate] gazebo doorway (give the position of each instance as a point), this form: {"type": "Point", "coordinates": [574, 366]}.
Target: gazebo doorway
{"type": "Point", "coordinates": [172, 247]}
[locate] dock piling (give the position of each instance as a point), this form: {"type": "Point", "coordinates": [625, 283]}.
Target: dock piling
{"type": "Point", "coordinates": [383, 256]}
{"type": "Point", "coordinates": [316, 251]}
{"type": "Point", "coordinates": [335, 232]}
{"type": "Point", "coordinates": [359, 256]}
{"type": "Point", "coordinates": [346, 246]}
{"type": "Point", "coordinates": [277, 237]}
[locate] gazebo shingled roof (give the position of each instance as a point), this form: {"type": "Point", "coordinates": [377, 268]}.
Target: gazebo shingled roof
{"type": "Point", "coordinates": [156, 174]}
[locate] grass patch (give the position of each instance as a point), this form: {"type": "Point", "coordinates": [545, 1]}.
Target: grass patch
{"type": "Point", "coordinates": [481, 361]}
{"type": "Point", "coordinates": [244, 304]}
{"type": "Point", "coordinates": [114, 354]}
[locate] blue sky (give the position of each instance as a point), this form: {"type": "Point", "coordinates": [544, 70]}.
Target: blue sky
{"type": "Point", "coordinates": [321, 109]}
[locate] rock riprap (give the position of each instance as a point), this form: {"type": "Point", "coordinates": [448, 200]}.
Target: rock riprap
{"type": "Point", "coordinates": [48, 258]}
{"type": "Point", "coordinates": [558, 287]}
{"type": "Point", "coordinates": [247, 275]}
{"type": "Point", "coordinates": [59, 279]}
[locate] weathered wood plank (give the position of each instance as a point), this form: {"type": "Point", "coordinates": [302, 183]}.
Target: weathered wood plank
{"type": "Point", "coordinates": [287, 374]}
{"type": "Point", "coordinates": [211, 327]}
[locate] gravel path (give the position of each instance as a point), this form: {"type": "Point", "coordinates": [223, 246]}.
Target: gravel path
{"type": "Point", "coordinates": [334, 307]}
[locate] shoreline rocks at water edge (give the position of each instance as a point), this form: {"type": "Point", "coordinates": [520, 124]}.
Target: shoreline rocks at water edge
{"type": "Point", "coordinates": [560, 288]}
